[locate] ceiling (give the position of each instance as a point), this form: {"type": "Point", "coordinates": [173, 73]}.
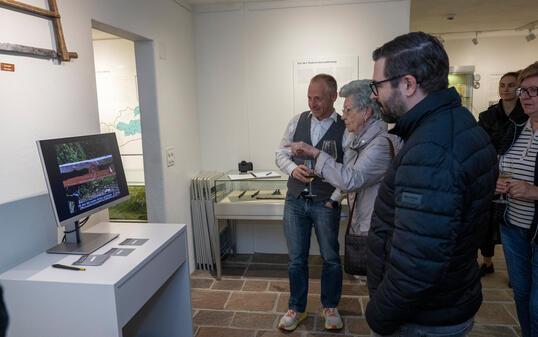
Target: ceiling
{"type": "Point", "coordinates": [470, 15]}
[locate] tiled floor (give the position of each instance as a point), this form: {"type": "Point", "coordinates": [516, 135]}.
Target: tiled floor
{"type": "Point", "coordinates": [254, 292]}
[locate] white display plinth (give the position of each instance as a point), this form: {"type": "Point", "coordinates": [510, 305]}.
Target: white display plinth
{"type": "Point", "coordinates": [146, 293]}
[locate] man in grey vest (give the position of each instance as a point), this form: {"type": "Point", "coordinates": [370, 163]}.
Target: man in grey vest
{"type": "Point", "coordinates": [322, 210]}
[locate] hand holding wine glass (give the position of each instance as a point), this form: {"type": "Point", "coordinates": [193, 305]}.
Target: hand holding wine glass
{"type": "Point", "coordinates": [505, 176]}
{"type": "Point", "coordinates": [309, 163]}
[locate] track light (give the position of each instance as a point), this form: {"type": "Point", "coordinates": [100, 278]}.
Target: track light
{"type": "Point", "coordinates": [475, 39]}
{"type": "Point", "coordinates": [531, 36]}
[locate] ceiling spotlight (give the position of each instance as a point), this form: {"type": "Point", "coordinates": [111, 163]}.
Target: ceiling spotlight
{"type": "Point", "coordinates": [475, 39]}
{"type": "Point", "coordinates": [531, 36]}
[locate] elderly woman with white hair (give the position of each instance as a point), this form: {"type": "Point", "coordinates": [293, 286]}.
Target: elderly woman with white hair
{"type": "Point", "coordinates": [363, 170]}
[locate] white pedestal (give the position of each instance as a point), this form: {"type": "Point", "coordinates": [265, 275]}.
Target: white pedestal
{"type": "Point", "coordinates": [146, 293]}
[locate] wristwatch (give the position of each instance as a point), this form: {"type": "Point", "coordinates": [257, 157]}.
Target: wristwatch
{"type": "Point", "coordinates": [335, 204]}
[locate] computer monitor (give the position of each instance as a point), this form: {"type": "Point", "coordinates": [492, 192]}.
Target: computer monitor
{"type": "Point", "coordinates": [84, 175]}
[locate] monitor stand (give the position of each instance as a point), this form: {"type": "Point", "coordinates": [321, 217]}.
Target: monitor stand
{"type": "Point", "coordinates": [78, 243]}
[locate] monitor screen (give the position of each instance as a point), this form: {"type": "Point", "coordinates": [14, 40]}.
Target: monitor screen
{"type": "Point", "coordinates": [84, 175]}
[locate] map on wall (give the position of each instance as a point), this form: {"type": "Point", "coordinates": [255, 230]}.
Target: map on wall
{"type": "Point", "coordinates": [119, 111]}
{"type": "Point", "coordinates": [126, 125]}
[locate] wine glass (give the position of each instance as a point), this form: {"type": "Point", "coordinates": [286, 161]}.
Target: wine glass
{"type": "Point", "coordinates": [505, 175]}
{"type": "Point", "coordinates": [309, 163]}
{"type": "Point", "coordinates": [329, 147]}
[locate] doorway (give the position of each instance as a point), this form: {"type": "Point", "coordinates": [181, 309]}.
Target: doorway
{"type": "Point", "coordinates": [119, 112]}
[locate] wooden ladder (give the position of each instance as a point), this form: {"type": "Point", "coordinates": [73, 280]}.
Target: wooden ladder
{"type": "Point", "coordinates": [61, 53]}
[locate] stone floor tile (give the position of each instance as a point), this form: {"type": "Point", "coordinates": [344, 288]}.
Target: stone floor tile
{"type": "Point", "coordinates": [278, 333]}
{"type": "Point", "coordinates": [238, 258]}
{"type": "Point", "coordinates": [493, 313]}
{"type": "Point", "coordinates": [314, 272]}
{"type": "Point", "coordinates": [253, 320]}
{"type": "Point", "coordinates": [208, 299]}
{"type": "Point", "coordinates": [511, 308]}
{"type": "Point", "coordinates": [282, 303]}
{"type": "Point", "coordinates": [213, 318]}
{"type": "Point", "coordinates": [315, 260]}
{"type": "Point", "coordinates": [201, 283]}
{"type": "Point", "coordinates": [246, 301]}
{"type": "Point", "coordinates": [233, 271]}
{"type": "Point", "coordinates": [308, 324]}
{"type": "Point", "coordinates": [497, 295]}
{"type": "Point", "coordinates": [228, 284]}
{"type": "Point", "coordinates": [497, 280]}
{"type": "Point", "coordinates": [517, 330]}
{"type": "Point", "coordinates": [279, 286]}
{"type": "Point", "coordinates": [325, 334]}
{"type": "Point", "coordinates": [270, 258]}
{"type": "Point", "coordinates": [350, 306]}
{"type": "Point", "coordinates": [198, 273]}
{"type": "Point", "coordinates": [313, 304]}
{"type": "Point", "coordinates": [354, 289]}
{"type": "Point", "coordinates": [255, 285]}
{"type": "Point", "coordinates": [314, 287]}
{"type": "Point", "coordinates": [267, 271]}
{"type": "Point", "coordinates": [224, 332]}
{"type": "Point", "coordinates": [492, 331]}
{"type": "Point", "coordinates": [357, 326]}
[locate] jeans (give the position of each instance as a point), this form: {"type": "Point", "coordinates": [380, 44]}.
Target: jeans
{"type": "Point", "coordinates": [415, 330]}
{"type": "Point", "coordinates": [523, 273]}
{"type": "Point", "coordinates": [299, 216]}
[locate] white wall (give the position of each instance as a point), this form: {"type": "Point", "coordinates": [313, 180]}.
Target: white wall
{"type": "Point", "coordinates": [43, 99]}
{"type": "Point", "coordinates": [244, 64]}
{"type": "Point", "coordinates": [492, 57]}
{"type": "Point", "coordinates": [244, 58]}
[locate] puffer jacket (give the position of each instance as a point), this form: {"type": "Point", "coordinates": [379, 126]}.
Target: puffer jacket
{"type": "Point", "coordinates": [362, 172]}
{"type": "Point", "coordinates": [426, 226]}
{"type": "Point", "coordinates": [495, 121]}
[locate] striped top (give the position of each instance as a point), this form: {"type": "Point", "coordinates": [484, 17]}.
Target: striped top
{"type": "Point", "coordinates": [520, 160]}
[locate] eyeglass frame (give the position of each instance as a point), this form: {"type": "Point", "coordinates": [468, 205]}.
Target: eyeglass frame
{"type": "Point", "coordinates": [373, 84]}
{"type": "Point", "coordinates": [520, 91]}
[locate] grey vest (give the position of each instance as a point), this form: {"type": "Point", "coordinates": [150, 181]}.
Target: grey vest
{"type": "Point", "coordinates": [321, 189]}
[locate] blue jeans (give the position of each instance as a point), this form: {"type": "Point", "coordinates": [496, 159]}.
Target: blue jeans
{"type": "Point", "coordinates": [523, 273]}
{"type": "Point", "coordinates": [299, 216]}
{"type": "Point", "coordinates": [415, 330]}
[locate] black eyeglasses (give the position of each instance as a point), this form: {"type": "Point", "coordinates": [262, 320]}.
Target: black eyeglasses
{"type": "Point", "coordinates": [374, 84]}
{"type": "Point", "coordinates": [531, 91]}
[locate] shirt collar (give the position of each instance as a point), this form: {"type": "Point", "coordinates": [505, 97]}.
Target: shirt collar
{"type": "Point", "coordinates": [333, 116]}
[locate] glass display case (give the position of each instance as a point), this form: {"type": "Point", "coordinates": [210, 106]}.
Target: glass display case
{"type": "Point", "coordinates": [462, 79]}
{"type": "Point", "coordinates": [250, 197]}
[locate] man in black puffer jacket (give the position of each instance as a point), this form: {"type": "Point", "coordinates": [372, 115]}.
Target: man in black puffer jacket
{"type": "Point", "coordinates": [423, 277]}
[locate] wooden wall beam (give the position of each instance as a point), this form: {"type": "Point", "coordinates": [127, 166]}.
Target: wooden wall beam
{"type": "Point", "coordinates": [29, 8]}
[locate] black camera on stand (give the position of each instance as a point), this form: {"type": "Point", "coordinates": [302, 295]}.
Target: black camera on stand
{"type": "Point", "coordinates": [244, 166]}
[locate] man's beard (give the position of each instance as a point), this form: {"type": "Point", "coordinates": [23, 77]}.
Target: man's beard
{"type": "Point", "coordinates": [393, 108]}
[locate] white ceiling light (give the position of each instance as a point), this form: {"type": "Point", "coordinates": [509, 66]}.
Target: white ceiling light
{"type": "Point", "coordinates": [475, 38]}
{"type": "Point", "coordinates": [531, 36]}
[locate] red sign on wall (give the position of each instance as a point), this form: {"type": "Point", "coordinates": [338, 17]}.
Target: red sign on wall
{"type": "Point", "coordinates": [7, 67]}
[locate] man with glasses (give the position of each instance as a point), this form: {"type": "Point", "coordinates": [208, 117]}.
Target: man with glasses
{"type": "Point", "coordinates": [423, 276]}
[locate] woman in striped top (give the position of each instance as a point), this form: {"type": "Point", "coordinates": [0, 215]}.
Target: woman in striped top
{"type": "Point", "coordinates": [519, 231]}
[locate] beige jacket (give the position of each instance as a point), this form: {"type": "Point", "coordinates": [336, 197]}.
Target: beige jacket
{"type": "Point", "coordinates": [363, 171]}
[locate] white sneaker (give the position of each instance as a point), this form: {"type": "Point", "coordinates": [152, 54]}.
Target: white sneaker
{"type": "Point", "coordinates": [332, 319]}
{"type": "Point", "coordinates": [291, 319]}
